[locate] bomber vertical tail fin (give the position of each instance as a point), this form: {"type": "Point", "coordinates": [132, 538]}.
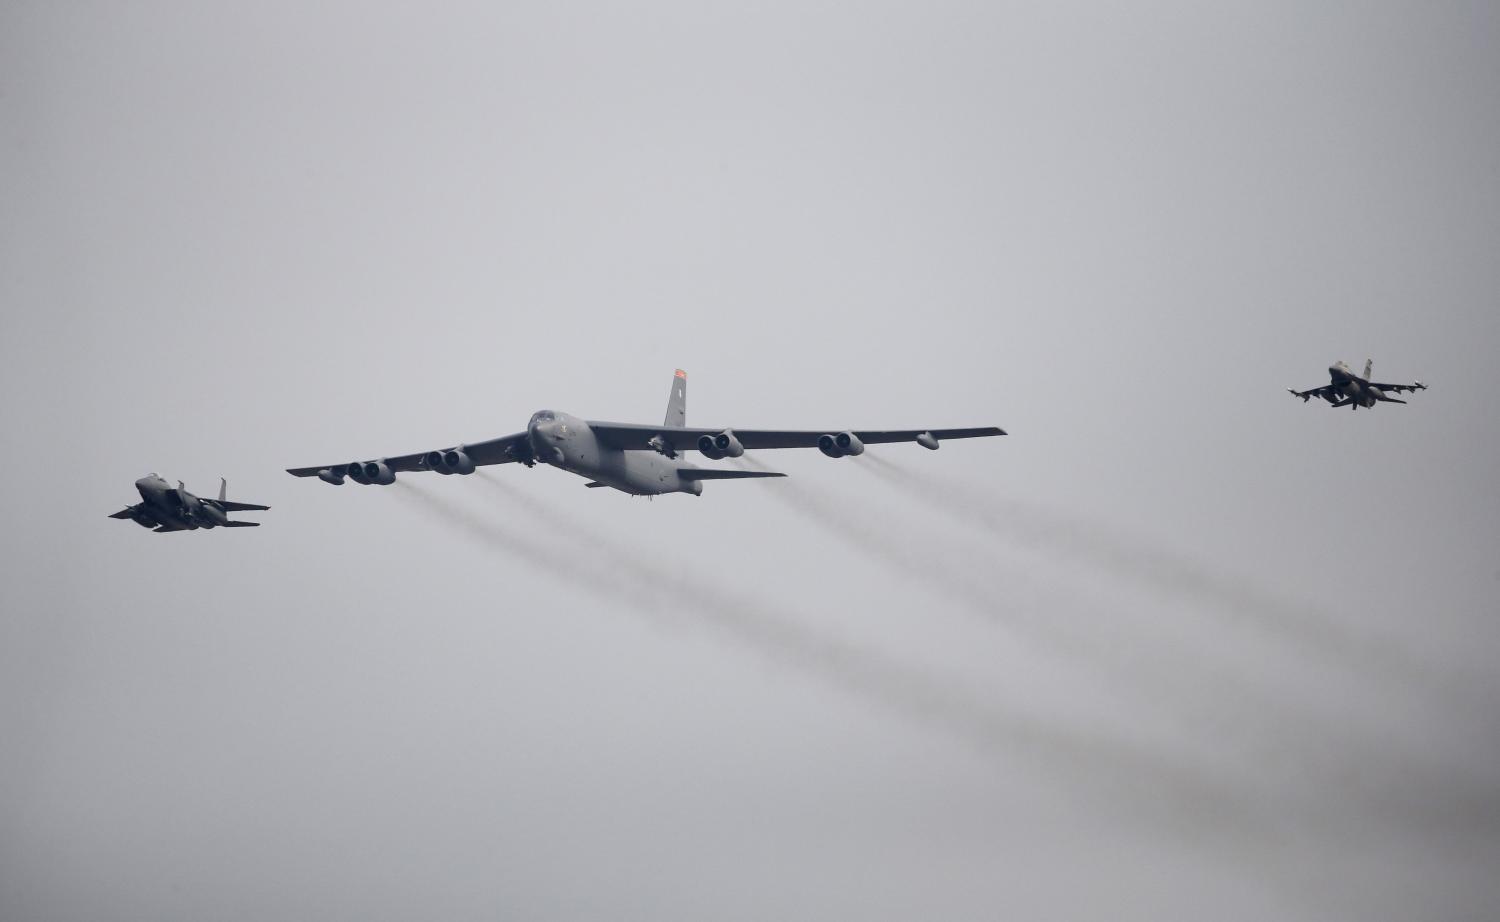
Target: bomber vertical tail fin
{"type": "Point", "coordinates": [1369, 364]}
{"type": "Point", "coordinates": [677, 401]}
{"type": "Point", "coordinates": [223, 489]}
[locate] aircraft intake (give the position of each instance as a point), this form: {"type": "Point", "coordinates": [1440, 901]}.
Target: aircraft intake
{"type": "Point", "coordinates": [379, 472]}
{"type": "Point", "coordinates": [708, 446]}
{"type": "Point", "coordinates": [849, 444]}
{"type": "Point", "coordinates": [829, 446]}
{"type": "Point", "coordinates": [727, 445]}
{"type": "Point", "coordinates": [458, 461]}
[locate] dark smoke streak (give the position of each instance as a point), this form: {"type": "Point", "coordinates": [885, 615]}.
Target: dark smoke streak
{"type": "Point", "coordinates": [1132, 779]}
{"type": "Point", "coordinates": [1157, 569]}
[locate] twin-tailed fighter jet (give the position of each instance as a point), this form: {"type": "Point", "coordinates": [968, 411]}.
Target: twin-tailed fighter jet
{"type": "Point", "coordinates": [163, 508]}
{"type": "Point", "coordinates": [641, 460]}
{"type": "Point", "coordinates": [1347, 389]}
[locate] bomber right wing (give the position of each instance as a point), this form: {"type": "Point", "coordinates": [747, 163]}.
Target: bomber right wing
{"type": "Point", "coordinates": [636, 437]}
{"type": "Point", "coordinates": [503, 450]}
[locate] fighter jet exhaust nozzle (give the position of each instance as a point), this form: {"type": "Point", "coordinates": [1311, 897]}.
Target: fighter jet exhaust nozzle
{"type": "Point", "coordinates": [328, 476]}
{"type": "Point", "coordinates": [837, 446]}
{"type": "Point", "coordinates": [727, 445]}
{"type": "Point", "coordinates": [379, 472]}
{"type": "Point", "coordinates": [710, 450]}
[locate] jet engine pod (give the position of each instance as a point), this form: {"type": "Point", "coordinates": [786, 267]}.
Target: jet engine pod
{"type": "Point", "coordinates": [710, 449]}
{"type": "Point", "coordinates": [928, 440]}
{"type": "Point", "coordinates": [849, 443]}
{"type": "Point", "coordinates": [356, 470]}
{"type": "Point", "coordinates": [829, 446]}
{"type": "Point", "coordinates": [458, 461]}
{"type": "Point", "coordinates": [328, 476]}
{"type": "Point", "coordinates": [727, 445]}
{"type": "Point", "coordinates": [434, 462]}
{"type": "Point", "coordinates": [379, 472]}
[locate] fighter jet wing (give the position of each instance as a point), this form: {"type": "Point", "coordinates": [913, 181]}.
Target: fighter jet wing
{"type": "Point", "coordinates": [128, 512]}
{"type": "Point", "coordinates": [1398, 388]}
{"type": "Point", "coordinates": [636, 437]}
{"type": "Point", "coordinates": [503, 450]}
{"type": "Point", "coordinates": [1326, 392]}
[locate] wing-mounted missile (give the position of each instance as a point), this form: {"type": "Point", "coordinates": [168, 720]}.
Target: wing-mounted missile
{"type": "Point", "coordinates": [521, 452]}
{"type": "Point", "coordinates": [661, 446]}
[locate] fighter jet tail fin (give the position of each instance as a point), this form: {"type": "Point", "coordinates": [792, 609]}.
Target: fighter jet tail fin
{"type": "Point", "coordinates": [677, 401]}
{"type": "Point", "coordinates": [229, 506]}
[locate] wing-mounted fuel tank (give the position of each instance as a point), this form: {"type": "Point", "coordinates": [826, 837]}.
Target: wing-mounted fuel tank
{"type": "Point", "coordinates": [723, 445]}
{"type": "Point", "coordinates": [450, 461]}
{"type": "Point", "coordinates": [840, 445]}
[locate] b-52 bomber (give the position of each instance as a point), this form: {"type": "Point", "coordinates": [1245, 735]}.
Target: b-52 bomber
{"type": "Point", "coordinates": [164, 509]}
{"type": "Point", "coordinates": [641, 460]}
{"type": "Point", "coordinates": [1348, 389]}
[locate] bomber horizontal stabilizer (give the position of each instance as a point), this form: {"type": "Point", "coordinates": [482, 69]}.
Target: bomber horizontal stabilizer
{"type": "Point", "coordinates": [241, 525]}
{"type": "Point", "coordinates": [700, 473]}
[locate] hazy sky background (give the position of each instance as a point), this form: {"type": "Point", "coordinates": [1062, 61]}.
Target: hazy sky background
{"type": "Point", "coordinates": [1179, 646]}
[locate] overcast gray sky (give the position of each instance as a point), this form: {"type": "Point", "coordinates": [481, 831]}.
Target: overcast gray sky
{"type": "Point", "coordinates": [1180, 646]}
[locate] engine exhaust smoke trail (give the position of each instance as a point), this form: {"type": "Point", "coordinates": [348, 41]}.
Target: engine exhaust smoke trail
{"type": "Point", "coordinates": [1098, 655]}
{"type": "Point", "coordinates": [1108, 765]}
{"type": "Point", "coordinates": [1165, 573]}
{"type": "Point", "coordinates": [1262, 722]}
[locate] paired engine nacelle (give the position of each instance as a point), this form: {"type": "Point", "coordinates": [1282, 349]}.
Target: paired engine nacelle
{"type": "Point", "coordinates": [837, 446]}
{"type": "Point", "coordinates": [452, 461]}
{"type": "Point", "coordinates": [723, 445]}
{"type": "Point", "coordinates": [377, 472]}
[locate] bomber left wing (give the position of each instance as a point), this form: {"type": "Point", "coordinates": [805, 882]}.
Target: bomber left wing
{"type": "Point", "coordinates": [503, 450]}
{"type": "Point", "coordinates": [669, 439]}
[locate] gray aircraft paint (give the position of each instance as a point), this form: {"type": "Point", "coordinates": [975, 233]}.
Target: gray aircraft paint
{"type": "Point", "coordinates": [635, 459]}
{"type": "Point", "coordinates": [1347, 389]}
{"type": "Point", "coordinates": [166, 508]}
{"type": "Point", "coordinates": [241, 236]}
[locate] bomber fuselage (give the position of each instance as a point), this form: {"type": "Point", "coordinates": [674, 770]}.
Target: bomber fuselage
{"type": "Point", "coordinates": [567, 442]}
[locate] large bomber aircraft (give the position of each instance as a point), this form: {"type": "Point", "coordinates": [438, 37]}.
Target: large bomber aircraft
{"type": "Point", "coordinates": [641, 460]}
{"type": "Point", "coordinates": [164, 509]}
{"type": "Point", "coordinates": [1348, 389]}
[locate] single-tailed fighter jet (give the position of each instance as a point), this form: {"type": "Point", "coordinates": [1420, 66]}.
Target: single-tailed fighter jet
{"type": "Point", "coordinates": [1348, 389]}
{"type": "Point", "coordinates": [641, 460]}
{"type": "Point", "coordinates": [163, 508]}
